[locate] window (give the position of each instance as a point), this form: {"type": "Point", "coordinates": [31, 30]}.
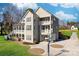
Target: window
{"type": "Point", "coordinates": [22, 27]}
{"type": "Point", "coordinates": [19, 35]}
{"type": "Point", "coordinates": [43, 27]}
{"type": "Point", "coordinates": [22, 36]}
{"type": "Point", "coordinates": [28, 37]}
{"type": "Point", "coordinates": [28, 27]}
{"type": "Point", "coordinates": [28, 19]}
{"type": "Point", "coordinates": [19, 27]}
{"type": "Point", "coordinates": [14, 28]}
{"type": "Point", "coordinates": [45, 19]}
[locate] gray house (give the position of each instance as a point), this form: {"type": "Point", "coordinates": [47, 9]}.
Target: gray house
{"type": "Point", "coordinates": [37, 26]}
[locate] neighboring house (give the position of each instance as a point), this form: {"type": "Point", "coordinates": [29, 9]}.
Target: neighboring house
{"type": "Point", "coordinates": [36, 26]}
{"type": "Point", "coordinates": [71, 24]}
{"type": "Point", "coordinates": [74, 28]}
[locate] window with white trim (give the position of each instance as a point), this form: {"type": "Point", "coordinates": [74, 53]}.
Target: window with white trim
{"type": "Point", "coordinates": [28, 19]}
{"type": "Point", "coordinates": [28, 27]}
{"type": "Point", "coordinates": [19, 27]}
{"type": "Point", "coordinates": [22, 36]}
{"type": "Point", "coordinates": [22, 27]}
{"type": "Point", "coordinates": [28, 37]}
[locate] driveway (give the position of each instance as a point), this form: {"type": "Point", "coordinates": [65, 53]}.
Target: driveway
{"type": "Point", "coordinates": [71, 47]}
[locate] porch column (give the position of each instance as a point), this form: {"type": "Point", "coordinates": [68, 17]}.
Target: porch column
{"type": "Point", "coordinates": [50, 27]}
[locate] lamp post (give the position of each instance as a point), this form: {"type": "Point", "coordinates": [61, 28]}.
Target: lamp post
{"type": "Point", "coordinates": [48, 48]}
{"type": "Point", "coordinates": [49, 40]}
{"type": "Point", "coordinates": [50, 35]}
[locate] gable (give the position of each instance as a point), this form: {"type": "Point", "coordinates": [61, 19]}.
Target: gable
{"type": "Point", "coordinates": [28, 14]}
{"type": "Point", "coordinates": [42, 13]}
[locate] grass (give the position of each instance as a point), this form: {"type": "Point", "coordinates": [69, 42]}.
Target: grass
{"type": "Point", "coordinates": [10, 48]}
{"type": "Point", "coordinates": [66, 32]}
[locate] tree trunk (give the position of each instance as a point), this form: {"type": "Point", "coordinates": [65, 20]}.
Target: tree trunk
{"type": "Point", "coordinates": [1, 30]}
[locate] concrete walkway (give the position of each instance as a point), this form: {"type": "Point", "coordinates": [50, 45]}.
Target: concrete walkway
{"type": "Point", "coordinates": [71, 47]}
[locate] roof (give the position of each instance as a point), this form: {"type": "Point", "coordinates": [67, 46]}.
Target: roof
{"type": "Point", "coordinates": [42, 8]}
{"type": "Point", "coordinates": [46, 11]}
{"type": "Point", "coordinates": [34, 13]}
{"type": "Point", "coordinates": [18, 22]}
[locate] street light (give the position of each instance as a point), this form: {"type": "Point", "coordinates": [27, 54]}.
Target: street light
{"type": "Point", "coordinates": [49, 40]}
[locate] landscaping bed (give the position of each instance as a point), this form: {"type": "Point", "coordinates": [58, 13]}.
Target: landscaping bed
{"type": "Point", "coordinates": [36, 51]}
{"type": "Point", "coordinates": [57, 46]}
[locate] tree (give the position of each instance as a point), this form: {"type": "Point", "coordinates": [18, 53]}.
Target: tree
{"type": "Point", "coordinates": [10, 16]}
{"type": "Point", "coordinates": [29, 10]}
{"type": "Point", "coordinates": [7, 22]}
{"type": "Point", "coordinates": [1, 28]}
{"type": "Point", "coordinates": [71, 23]}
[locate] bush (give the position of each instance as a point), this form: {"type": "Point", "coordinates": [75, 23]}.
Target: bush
{"type": "Point", "coordinates": [62, 37]}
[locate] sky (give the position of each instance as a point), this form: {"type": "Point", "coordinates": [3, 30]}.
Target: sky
{"type": "Point", "coordinates": [64, 11]}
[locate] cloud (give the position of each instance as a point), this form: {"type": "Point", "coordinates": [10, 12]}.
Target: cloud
{"type": "Point", "coordinates": [76, 14]}
{"type": "Point", "coordinates": [69, 5]}
{"type": "Point", "coordinates": [63, 16]}
{"type": "Point", "coordinates": [26, 5]}
{"type": "Point", "coordinates": [66, 5]}
{"type": "Point", "coordinates": [54, 4]}
{"type": "Point", "coordinates": [1, 13]}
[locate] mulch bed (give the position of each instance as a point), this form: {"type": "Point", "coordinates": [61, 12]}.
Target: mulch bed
{"type": "Point", "coordinates": [57, 46]}
{"type": "Point", "coordinates": [36, 51]}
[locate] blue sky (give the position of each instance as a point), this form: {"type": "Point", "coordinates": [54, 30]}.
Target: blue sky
{"type": "Point", "coordinates": [65, 12]}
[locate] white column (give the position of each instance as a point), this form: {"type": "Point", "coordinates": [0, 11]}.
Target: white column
{"type": "Point", "coordinates": [21, 32]}
{"type": "Point", "coordinates": [32, 25]}
{"type": "Point", "coordinates": [25, 31]}
{"type": "Point", "coordinates": [50, 27]}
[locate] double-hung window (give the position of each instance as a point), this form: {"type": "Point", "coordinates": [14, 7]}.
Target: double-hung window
{"type": "Point", "coordinates": [28, 27]}
{"type": "Point", "coordinates": [28, 19]}
{"type": "Point", "coordinates": [28, 37]}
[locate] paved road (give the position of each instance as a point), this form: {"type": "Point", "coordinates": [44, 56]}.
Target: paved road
{"type": "Point", "coordinates": [71, 47]}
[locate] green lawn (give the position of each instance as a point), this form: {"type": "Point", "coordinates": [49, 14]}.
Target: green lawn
{"type": "Point", "coordinates": [66, 32]}
{"type": "Point", "coordinates": [11, 48]}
